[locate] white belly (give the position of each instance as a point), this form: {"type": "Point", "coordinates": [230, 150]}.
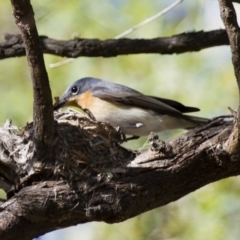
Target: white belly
{"type": "Point", "coordinates": [136, 121]}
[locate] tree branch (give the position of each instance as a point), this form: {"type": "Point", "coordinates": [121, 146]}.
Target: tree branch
{"type": "Point", "coordinates": [229, 19]}
{"type": "Point", "coordinates": [185, 42]}
{"type": "Point", "coordinates": [42, 107]}
{"type": "Point", "coordinates": [95, 179]}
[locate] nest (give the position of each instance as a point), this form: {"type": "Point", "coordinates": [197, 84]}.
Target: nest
{"type": "Point", "coordinates": [88, 143]}
{"type": "Point", "coordinates": [80, 147]}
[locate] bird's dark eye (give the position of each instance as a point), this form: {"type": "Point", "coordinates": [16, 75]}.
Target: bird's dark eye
{"type": "Point", "coordinates": [74, 90]}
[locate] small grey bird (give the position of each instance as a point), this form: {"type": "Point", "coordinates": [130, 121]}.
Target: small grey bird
{"type": "Point", "coordinates": [135, 113]}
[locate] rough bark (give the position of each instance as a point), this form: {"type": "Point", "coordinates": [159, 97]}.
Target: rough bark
{"type": "Point", "coordinates": [92, 178]}
{"type": "Point", "coordinates": [42, 106]}
{"type": "Point", "coordinates": [229, 19]}
{"type": "Point", "coordinates": [181, 43]}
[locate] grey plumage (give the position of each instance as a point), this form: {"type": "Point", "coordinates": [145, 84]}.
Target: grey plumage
{"type": "Point", "coordinates": [135, 113]}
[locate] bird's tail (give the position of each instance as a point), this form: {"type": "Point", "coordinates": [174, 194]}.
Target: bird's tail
{"type": "Point", "coordinates": [194, 121]}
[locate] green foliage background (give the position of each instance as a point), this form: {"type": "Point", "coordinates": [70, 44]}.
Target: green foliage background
{"type": "Point", "coordinates": [204, 79]}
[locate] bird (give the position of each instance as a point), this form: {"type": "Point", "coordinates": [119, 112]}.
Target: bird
{"type": "Point", "coordinates": [133, 112]}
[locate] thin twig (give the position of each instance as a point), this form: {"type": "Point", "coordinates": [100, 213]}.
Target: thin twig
{"type": "Point", "coordinates": [148, 20]}
{"type": "Point", "coordinates": [127, 32]}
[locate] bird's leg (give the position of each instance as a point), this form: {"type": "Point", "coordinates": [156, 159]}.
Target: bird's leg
{"type": "Point", "coordinates": [89, 113]}
{"type": "Point", "coordinates": [124, 138]}
{"type": "Point", "coordinates": [132, 138]}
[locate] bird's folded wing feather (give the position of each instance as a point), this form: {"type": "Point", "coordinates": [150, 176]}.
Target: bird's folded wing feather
{"type": "Point", "coordinates": [138, 100]}
{"type": "Point", "coordinates": [177, 105]}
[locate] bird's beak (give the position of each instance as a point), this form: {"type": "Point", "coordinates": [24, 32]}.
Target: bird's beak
{"type": "Point", "coordinates": [59, 104]}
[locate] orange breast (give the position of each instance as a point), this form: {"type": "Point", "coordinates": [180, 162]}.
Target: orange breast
{"type": "Point", "coordinates": [102, 110]}
{"type": "Point", "coordinates": [85, 100]}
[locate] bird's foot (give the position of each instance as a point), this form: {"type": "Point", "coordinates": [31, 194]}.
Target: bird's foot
{"type": "Point", "coordinates": [123, 136]}
{"type": "Point", "coordinates": [132, 138]}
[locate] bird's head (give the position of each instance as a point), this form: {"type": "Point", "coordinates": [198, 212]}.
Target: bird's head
{"type": "Point", "coordinates": [75, 92]}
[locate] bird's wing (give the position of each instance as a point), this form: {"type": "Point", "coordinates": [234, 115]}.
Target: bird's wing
{"type": "Point", "coordinates": [133, 98]}
{"type": "Point", "coordinates": [177, 105]}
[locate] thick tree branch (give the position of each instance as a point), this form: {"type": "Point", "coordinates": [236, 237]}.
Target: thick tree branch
{"type": "Point", "coordinates": [42, 107]}
{"type": "Point", "coordinates": [101, 181]}
{"type": "Point", "coordinates": [185, 42]}
{"type": "Point", "coordinates": [229, 19]}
